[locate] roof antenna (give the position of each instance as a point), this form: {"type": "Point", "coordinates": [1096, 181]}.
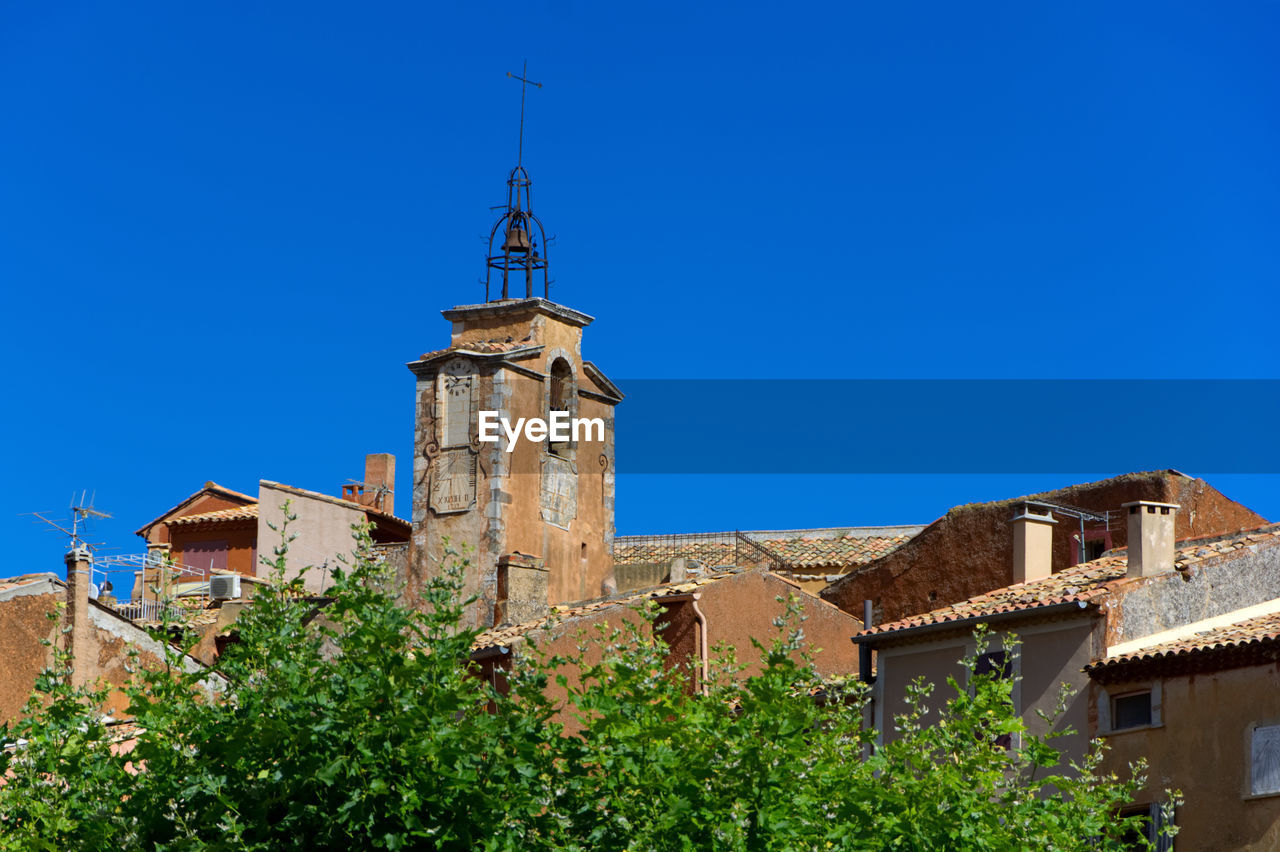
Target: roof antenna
{"type": "Point", "coordinates": [81, 511]}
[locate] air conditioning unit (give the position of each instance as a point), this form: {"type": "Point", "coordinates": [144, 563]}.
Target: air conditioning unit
{"type": "Point", "coordinates": [224, 587]}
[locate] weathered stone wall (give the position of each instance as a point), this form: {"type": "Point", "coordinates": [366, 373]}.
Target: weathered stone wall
{"type": "Point", "coordinates": [1213, 587]}
{"type": "Point", "coordinates": [507, 514]}
{"type": "Point", "coordinates": [640, 575]}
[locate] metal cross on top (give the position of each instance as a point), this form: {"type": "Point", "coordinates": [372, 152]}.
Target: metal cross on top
{"type": "Point", "coordinates": [523, 81]}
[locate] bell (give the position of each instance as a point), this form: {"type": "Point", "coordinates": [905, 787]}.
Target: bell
{"type": "Point", "coordinates": [517, 240]}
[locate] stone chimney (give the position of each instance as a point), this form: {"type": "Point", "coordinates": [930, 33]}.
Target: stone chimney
{"type": "Point", "coordinates": [1150, 537]}
{"type": "Point", "coordinates": [1032, 543]}
{"type": "Point", "coordinates": [522, 589]}
{"type": "Point", "coordinates": [79, 577]}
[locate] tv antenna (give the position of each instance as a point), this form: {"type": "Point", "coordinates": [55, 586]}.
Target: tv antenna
{"type": "Point", "coordinates": [82, 511]}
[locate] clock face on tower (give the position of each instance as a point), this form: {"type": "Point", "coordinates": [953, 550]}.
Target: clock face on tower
{"type": "Point", "coordinates": [453, 481]}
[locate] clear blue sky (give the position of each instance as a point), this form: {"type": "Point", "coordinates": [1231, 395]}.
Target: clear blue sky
{"type": "Point", "coordinates": [224, 228]}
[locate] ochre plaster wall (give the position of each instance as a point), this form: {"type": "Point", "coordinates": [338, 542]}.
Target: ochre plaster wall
{"type": "Point", "coordinates": [1202, 748]}
{"type": "Point", "coordinates": [24, 622]}
{"type": "Point", "coordinates": [736, 610]}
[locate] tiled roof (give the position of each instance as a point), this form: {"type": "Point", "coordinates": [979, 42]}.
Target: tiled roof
{"type": "Point", "coordinates": [821, 552]}
{"type": "Point", "coordinates": [209, 487]}
{"type": "Point", "coordinates": [817, 548]}
{"type": "Point", "coordinates": [484, 347]}
{"type": "Point", "coordinates": [506, 634]}
{"type": "Point", "coordinates": [1262, 628]}
{"type": "Point", "coordinates": [1083, 584]}
{"type": "Point", "coordinates": [710, 552]}
{"type": "Point", "coordinates": [237, 513]}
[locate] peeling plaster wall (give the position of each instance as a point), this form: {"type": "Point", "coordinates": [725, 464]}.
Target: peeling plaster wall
{"type": "Point", "coordinates": [24, 622]}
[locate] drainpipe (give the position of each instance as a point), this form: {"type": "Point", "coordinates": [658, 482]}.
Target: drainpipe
{"type": "Point", "coordinates": [704, 674]}
{"type": "Point", "coordinates": [864, 650]}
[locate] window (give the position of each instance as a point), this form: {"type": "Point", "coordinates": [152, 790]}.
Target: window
{"type": "Point", "coordinates": [1089, 545]}
{"type": "Point", "coordinates": [1131, 711]}
{"type": "Point", "coordinates": [204, 556]}
{"type": "Point", "coordinates": [1149, 835]}
{"type": "Point", "coordinates": [995, 663]}
{"type": "Point", "coordinates": [998, 665]}
{"type": "Point", "coordinates": [560, 398]}
{"type": "Point", "coordinates": [1265, 760]}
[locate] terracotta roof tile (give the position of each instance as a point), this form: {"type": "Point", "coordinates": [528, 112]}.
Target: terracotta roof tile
{"type": "Point", "coordinates": [840, 548]}
{"type": "Point", "coordinates": [844, 551]}
{"type": "Point", "coordinates": [484, 347]}
{"type": "Point", "coordinates": [237, 513]}
{"type": "Point", "coordinates": [1262, 628]}
{"type": "Point", "coordinates": [713, 553]}
{"type": "Point", "coordinates": [1080, 583]}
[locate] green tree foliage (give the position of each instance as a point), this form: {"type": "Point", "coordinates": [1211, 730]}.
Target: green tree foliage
{"type": "Point", "coordinates": [362, 726]}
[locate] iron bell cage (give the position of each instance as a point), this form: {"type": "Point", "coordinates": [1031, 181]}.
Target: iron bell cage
{"type": "Point", "coordinates": [520, 250]}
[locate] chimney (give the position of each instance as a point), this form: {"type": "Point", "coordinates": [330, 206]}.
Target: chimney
{"type": "Point", "coordinates": [378, 488]}
{"type": "Point", "coordinates": [522, 589]}
{"type": "Point", "coordinates": [1150, 537]}
{"type": "Point", "coordinates": [380, 478]}
{"type": "Point", "coordinates": [1032, 543]}
{"type": "Point", "coordinates": [79, 564]}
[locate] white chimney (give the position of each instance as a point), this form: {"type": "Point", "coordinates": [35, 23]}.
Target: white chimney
{"type": "Point", "coordinates": [1150, 537]}
{"type": "Point", "coordinates": [1032, 543]}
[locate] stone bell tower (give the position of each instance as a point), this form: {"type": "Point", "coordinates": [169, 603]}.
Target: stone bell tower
{"type": "Point", "coordinates": [535, 513]}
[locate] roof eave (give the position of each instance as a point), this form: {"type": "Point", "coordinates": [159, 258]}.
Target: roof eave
{"type": "Point", "coordinates": [972, 621]}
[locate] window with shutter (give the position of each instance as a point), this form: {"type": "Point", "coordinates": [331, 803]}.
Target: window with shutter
{"type": "Point", "coordinates": [1265, 760]}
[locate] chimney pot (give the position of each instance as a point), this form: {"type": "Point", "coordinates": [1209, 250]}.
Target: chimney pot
{"type": "Point", "coordinates": [1150, 532]}
{"type": "Point", "coordinates": [1032, 543]}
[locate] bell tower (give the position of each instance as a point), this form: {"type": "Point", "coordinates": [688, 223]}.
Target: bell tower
{"type": "Point", "coordinates": [531, 506]}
